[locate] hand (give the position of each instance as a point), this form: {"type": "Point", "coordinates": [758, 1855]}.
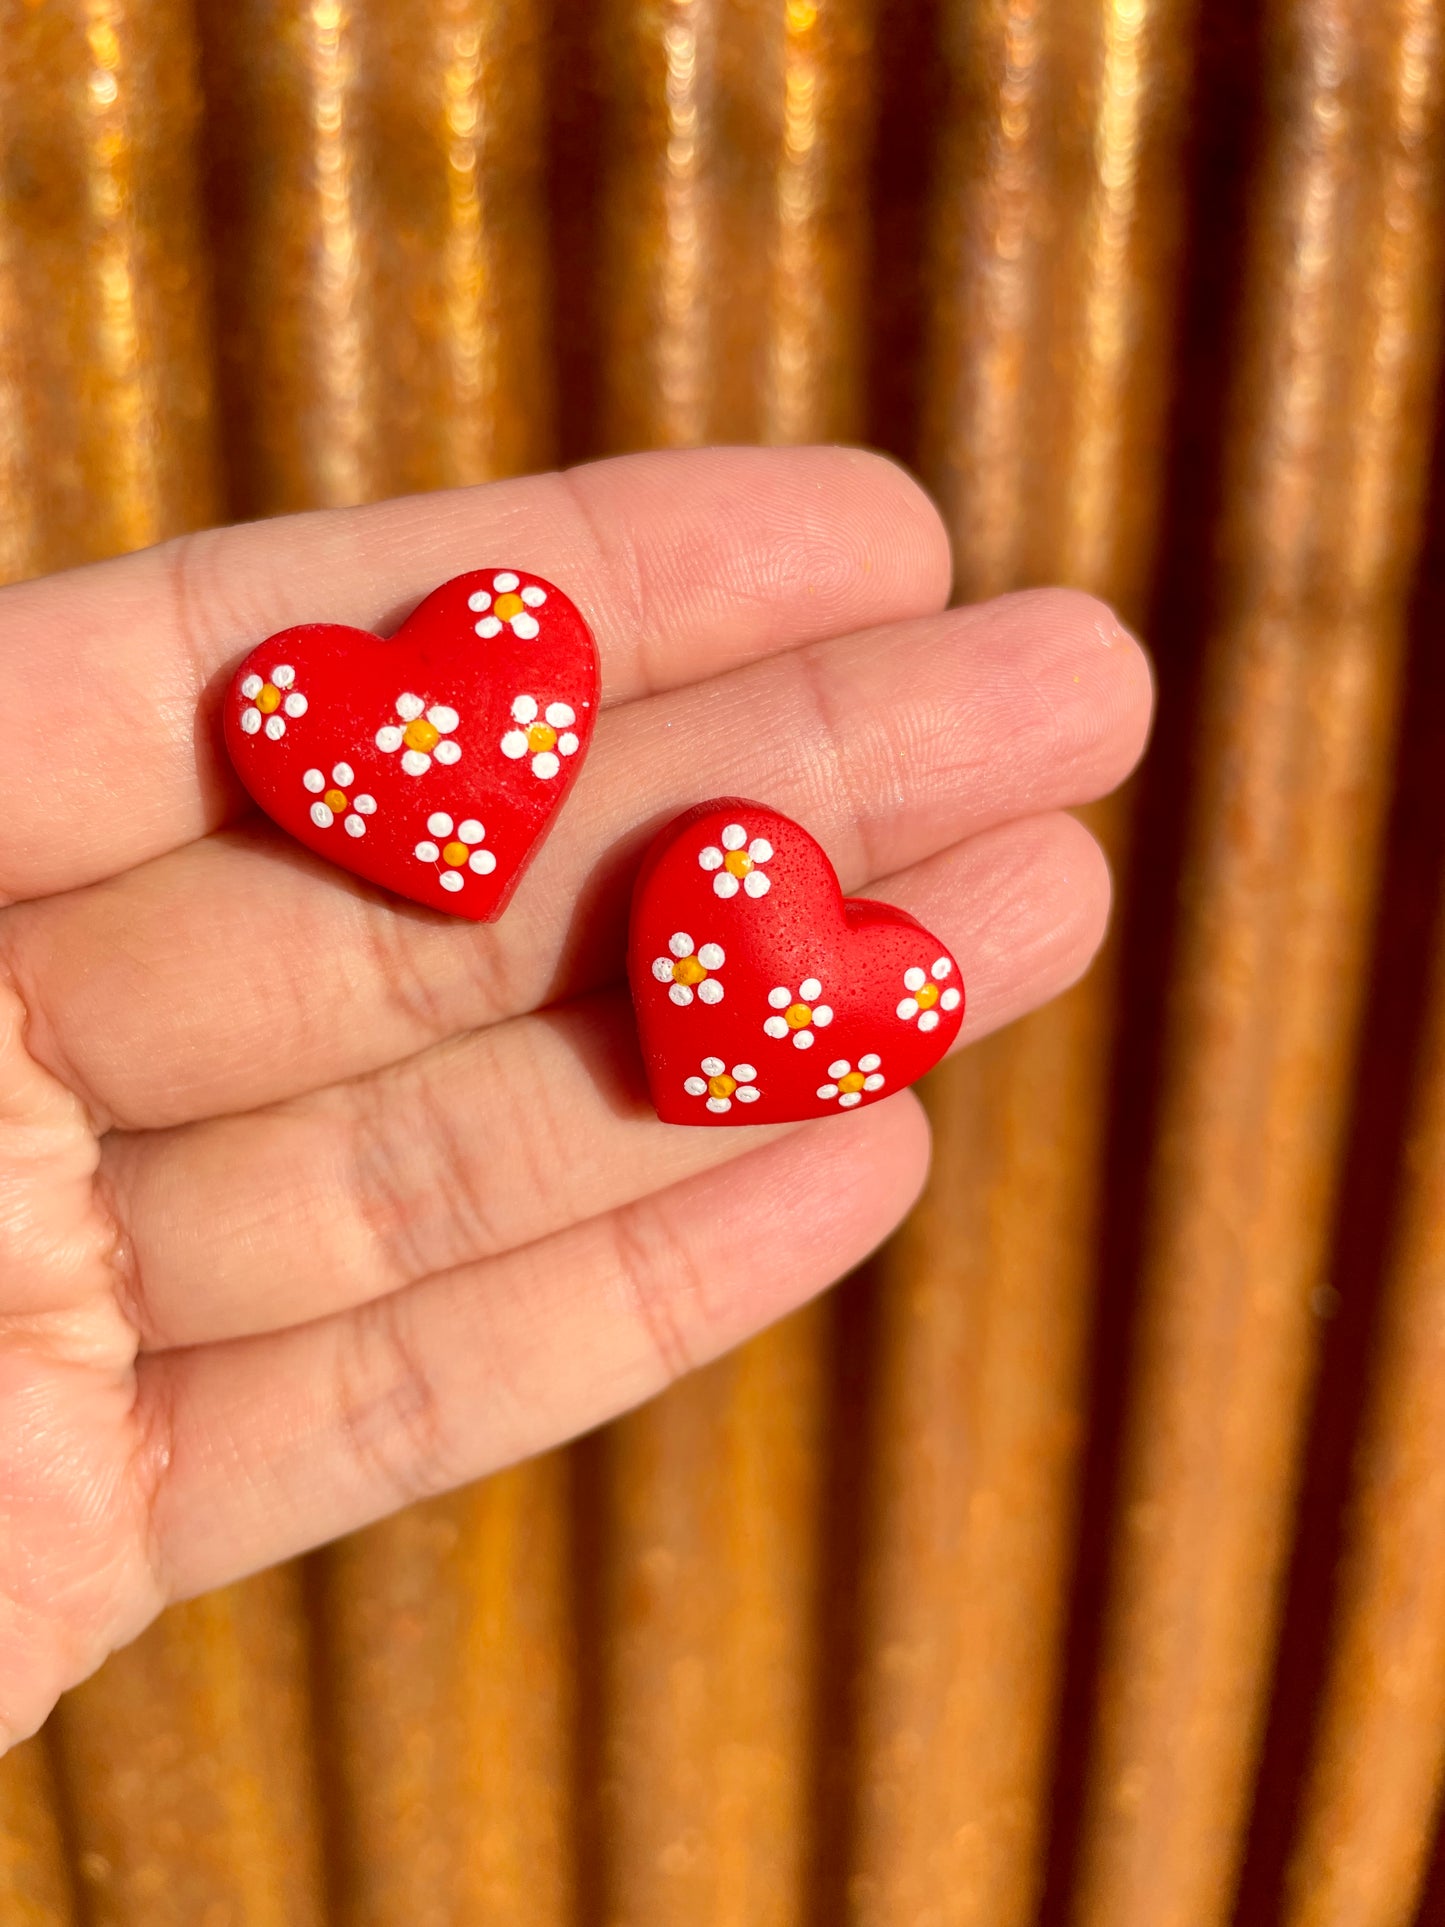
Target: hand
{"type": "Point", "coordinates": [311, 1203]}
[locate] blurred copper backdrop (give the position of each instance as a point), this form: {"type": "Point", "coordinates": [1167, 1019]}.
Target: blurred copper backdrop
{"type": "Point", "coordinates": [1084, 1563]}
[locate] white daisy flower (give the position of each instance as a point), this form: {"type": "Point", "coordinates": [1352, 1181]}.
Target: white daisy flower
{"type": "Point", "coordinates": [332, 800]}
{"type": "Point", "coordinates": [507, 603]}
{"type": "Point", "coordinates": [928, 995]}
{"type": "Point", "coordinates": [736, 864]}
{"type": "Point", "coordinates": [848, 1085]}
{"type": "Point", "coordinates": [687, 971]}
{"type": "Point", "coordinates": [455, 850]}
{"type": "Point", "coordinates": [422, 733]}
{"type": "Point", "coordinates": [723, 1087]}
{"type": "Point", "coordinates": [546, 737]}
{"type": "Point", "coordinates": [269, 703]}
{"type": "Point", "coordinates": [798, 1017]}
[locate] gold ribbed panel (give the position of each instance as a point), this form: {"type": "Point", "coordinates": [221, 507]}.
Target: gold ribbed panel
{"type": "Point", "coordinates": [812, 1641]}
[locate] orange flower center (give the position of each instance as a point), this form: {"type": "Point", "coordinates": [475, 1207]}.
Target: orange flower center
{"type": "Point", "coordinates": [336, 799]}
{"type": "Point", "coordinates": [853, 1081]}
{"type": "Point", "coordinates": [796, 1015]}
{"type": "Point", "coordinates": [688, 971]}
{"type": "Point", "coordinates": [455, 854]}
{"type": "Point", "coordinates": [541, 736]}
{"type": "Point", "coordinates": [737, 863]}
{"type": "Point", "coordinates": [507, 606]}
{"type": "Point", "coordinates": [928, 997]}
{"type": "Point", "coordinates": [269, 698]}
{"type": "Point", "coordinates": [420, 734]}
{"type": "Point", "coordinates": [722, 1086]}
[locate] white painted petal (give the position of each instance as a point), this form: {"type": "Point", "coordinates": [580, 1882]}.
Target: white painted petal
{"type": "Point", "coordinates": [252, 687]}
{"type": "Point", "coordinates": [745, 1073]}
{"type": "Point", "coordinates": [870, 1062]}
{"type": "Point", "coordinates": [524, 709]}
{"type": "Point", "coordinates": [914, 979]}
{"type": "Point", "coordinates": [662, 969]}
{"type": "Point", "coordinates": [439, 823]}
{"type": "Point", "coordinates": [366, 804]}
{"type": "Point", "coordinates": [849, 1099]}
{"type": "Point", "coordinates": [942, 968]}
{"type": "Point", "coordinates": [822, 1015]}
{"type": "Point", "coordinates": [452, 879]}
{"type": "Point", "coordinates": [426, 852]}
{"type": "Point", "coordinates": [873, 1083]}
{"type": "Point", "coordinates": [561, 715]}
{"type": "Point", "coordinates": [514, 744]}
{"type": "Point", "coordinates": [776, 1027]}
{"type": "Point", "coordinates": [780, 997]}
{"type": "Point", "coordinates": [748, 1094]}
{"type": "Point", "coordinates": [409, 707]}
{"type": "Point", "coordinates": [680, 994]}
{"type": "Point", "coordinates": [441, 716]}
{"type": "Point", "coordinates": [283, 675]}
{"type": "Point", "coordinates": [482, 861]}
{"type": "Point", "coordinates": [343, 774]}
{"type": "Point", "coordinates": [470, 830]}
{"type": "Point", "coordinates": [757, 883]}
{"type": "Point", "coordinates": [525, 626]}
{"type": "Point", "coordinates": [908, 1009]}
{"type": "Point", "coordinates": [479, 600]}
{"type": "Point", "coordinates": [711, 956]}
{"type": "Point", "coordinates": [314, 781]}
{"type": "Point", "coordinates": [680, 944]}
{"type": "Point", "coordinates": [760, 850]}
{"type": "Point", "coordinates": [321, 816]}
{"type": "Point", "coordinates": [533, 596]}
{"type": "Point", "coordinates": [711, 858]}
{"type": "Point", "coordinates": [719, 1104]}
{"type": "Point", "coordinates": [929, 1020]}
{"type": "Point", "coordinates": [827, 1090]}
{"type": "Point", "coordinates": [505, 582]}
{"type": "Point", "coordinates": [296, 704]}
{"type": "Point", "coordinates": [951, 998]}
{"type": "Point", "coordinates": [713, 1066]}
{"type": "Point", "coordinates": [803, 1040]}
{"type": "Point", "coordinates": [389, 739]}
{"type": "Point", "coordinates": [710, 990]}
{"type": "Point", "coordinates": [354, 826]}
{"type": "Point", "coordinates": [568, 743]}
{"type": "Point", "coordinates": [250, 721]}
{"type": "Point", "coordinates": [734, 836]}
{"type": "Point", "coordinates": [809, 990]}
{"type": "Point", "coordinates": [415, 762]}
{"type": "Point", "coordinates": [275, 727]}
{"type": "Point", "coordinates": [695, 1087]}
{"type": "Point", "coordinates": [840, 1068]}
{"type": "Point", "coordinates": [448, 752]}
{"type": "Point", "coordinates": [488, 627]}
{"type": "Point", "coordinates": [725, 884]}
{"type": "Point", "coordinates": [546, 765]}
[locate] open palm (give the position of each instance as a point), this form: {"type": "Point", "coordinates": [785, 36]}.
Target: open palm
{"type": "Point", "coordinates": [313, 1203]}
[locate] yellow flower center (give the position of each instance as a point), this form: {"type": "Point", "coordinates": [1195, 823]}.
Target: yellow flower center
{"type": "Point", "coordinates": [688, 971]}
{"type": "Point", "coordinates": [796, 1015]}
{"type": "Point", "coordinates": [853, 1081]}
{"type": "Point", "coordinates": [507, 606]}
{"type": "Point", "coordinates": [335, 799]}
{"type": "Point", "coordinates": [455, 854]}
{"type": "Point", "coordinates": [269, 698]}
{"type": "Point", "coordinates": [421, 734]}
{"type": "Point", "coordinates": [928, 996]}
{"type": "Point", "coordinates": [722, 1086]}
{"type": "Point", "coordinates": [541, 736]}
{"type": "Point", "coordinates": [737, 863]}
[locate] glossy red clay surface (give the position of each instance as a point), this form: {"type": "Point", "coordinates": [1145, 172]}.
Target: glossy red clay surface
{"type": "Point", "coordinates": [765, 996]}
{"type": "Point", "coordinates": [434, 762]}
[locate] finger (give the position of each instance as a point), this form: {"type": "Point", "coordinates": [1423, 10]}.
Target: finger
{"type": "Point", "coordinates": [276, 1443]}
{"type": "Point", "coordinates": [472, 1148]}
{"type": "Point", "coordinates": [240, 971]}
{"type": "Point", "coordinates": [684, 564]}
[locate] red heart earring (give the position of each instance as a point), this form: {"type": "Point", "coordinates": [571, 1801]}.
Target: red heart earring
{"type": "Point", "coordinates": [432, 762]}
{"type": "Point", "coordinates": [763, 994]}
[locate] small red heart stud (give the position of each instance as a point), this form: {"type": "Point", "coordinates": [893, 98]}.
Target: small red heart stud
{"type": "Point", "coordinates": [432, 762]}
{"type": "Point", "coordinates": [763, 994]}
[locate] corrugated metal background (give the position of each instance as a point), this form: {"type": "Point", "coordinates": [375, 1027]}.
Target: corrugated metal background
{"type": "Point", "coordinates": [1084, 1564]}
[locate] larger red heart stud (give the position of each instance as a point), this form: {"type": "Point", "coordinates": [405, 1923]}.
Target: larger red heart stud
{"type": "Point", "coordinates": [763, 994]}
{"type": "Point", "coordinates": [431, 762]}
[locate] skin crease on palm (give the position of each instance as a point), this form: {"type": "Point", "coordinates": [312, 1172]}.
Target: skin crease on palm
{"type": "Point", "coordinates": [312, 1204]}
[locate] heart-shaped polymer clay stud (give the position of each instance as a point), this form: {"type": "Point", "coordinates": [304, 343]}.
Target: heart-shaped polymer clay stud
{"type": "Point", "coordinates": [763, 994]}
{"type": "Point", "coordinates": [431, 762]}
